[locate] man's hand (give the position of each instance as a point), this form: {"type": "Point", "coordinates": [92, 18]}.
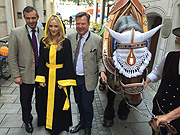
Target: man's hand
{"type": "Point", "coordinates": [103, 77]}
{"type": "Point", "coordinates": [18, 80]}
{"type": "Point", "coordinates": [42, 84]}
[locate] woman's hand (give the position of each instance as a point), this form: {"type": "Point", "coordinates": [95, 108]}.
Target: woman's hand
{"type": "Point", "coordinates": [161, 119]}
{"type": "Point", "coordinates": [42, 84]}
{"type": "Point", "coordinates": [172, 115]}
{"type": "Point", "coordinates": [60, 87]}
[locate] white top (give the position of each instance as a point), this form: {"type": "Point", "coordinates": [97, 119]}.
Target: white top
{"type": "Point", "coordinates": [156, 74]}
{"type": "Point", "coordinates": [79, 65]}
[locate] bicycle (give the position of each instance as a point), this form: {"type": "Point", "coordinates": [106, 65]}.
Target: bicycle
{"type": "Point", "coordinates": [4, 66]}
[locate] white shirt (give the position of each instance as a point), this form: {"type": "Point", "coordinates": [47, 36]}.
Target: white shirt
{"type": "Point", "coordinates": [79, 65]}
{"type": "Point", "coordinates": [36, 33]}
{"type": "Point", "coordinates": [156, 74]}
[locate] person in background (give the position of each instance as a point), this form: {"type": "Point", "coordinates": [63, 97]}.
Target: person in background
{"type": "Point", "coordinates": [166, 101]}
{"type": "Point", "coordinates": [60, 16]}
{"type": "Point", "coordinates": [55, 76]}
{"type": "Point", "coordinates": [70, 21]}
{"type": "Point", "coordinates": [39, 24]}
{"type": "Point", "coordinates": [23, 59]}
{"type": "Point", "coordinates": [88, 65]}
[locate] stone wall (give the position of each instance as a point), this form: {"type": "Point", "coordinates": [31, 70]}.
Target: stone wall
{"type": "Point", "coordinates": [3, 21]}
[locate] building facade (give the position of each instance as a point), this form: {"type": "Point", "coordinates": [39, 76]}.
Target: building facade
{"type": "Point", "coordinates": [168, 13]}
{"type": "Point", "coordinates": [12, 13]}
{"type": "Point", "coordinates": [3, 20]}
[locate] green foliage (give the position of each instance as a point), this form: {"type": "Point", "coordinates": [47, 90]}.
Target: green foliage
{"type": "Point", "coordinates": [96, 26]}
{"type": "Point", "coordinates": [89, 2]}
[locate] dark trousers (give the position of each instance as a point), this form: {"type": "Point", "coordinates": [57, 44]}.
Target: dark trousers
{"type": "Point", "coordinates": [70, 23]}
{"type": "Point", "coordinates": [26, 92]}
{"type": "Point", "coordinates": [84, 100]}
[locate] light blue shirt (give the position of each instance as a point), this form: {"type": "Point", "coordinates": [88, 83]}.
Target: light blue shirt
{"type": "Point", "coordinates": [36, 33]}
{"type": "Point", "coordinates": [79, 65]}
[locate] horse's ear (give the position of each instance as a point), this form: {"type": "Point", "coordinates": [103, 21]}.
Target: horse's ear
{"type": "Point", "coordinates": [150, 33]}
{"type": "Point", "coordinates": [142, 36]}
{"type": "Point", "coordinates": [116, 35]}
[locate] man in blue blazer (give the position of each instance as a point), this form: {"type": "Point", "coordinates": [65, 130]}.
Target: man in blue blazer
{"type": "Point", "coordinates": [88, 65]}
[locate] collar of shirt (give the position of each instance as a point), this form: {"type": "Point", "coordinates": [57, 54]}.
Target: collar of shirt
{"type": "Point", "coordinates": [84, 36]}
{"type": "Point", "coordinates": [30, 30]}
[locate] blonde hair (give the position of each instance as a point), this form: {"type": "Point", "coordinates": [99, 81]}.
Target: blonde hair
{"type": "Point", "coordinates": [61, 36]}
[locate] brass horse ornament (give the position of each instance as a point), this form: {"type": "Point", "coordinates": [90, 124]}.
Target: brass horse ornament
{"type": "Point", "coordinates": [125, 55]}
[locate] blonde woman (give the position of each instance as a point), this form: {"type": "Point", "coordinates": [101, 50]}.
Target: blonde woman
{"type": "Point", "coordinates": [55, 76]}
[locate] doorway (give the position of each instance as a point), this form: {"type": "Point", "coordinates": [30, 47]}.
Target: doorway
{"type": "Point", "coordinates": [155, 21]}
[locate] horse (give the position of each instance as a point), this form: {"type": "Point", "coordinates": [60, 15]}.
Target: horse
{"type": "Point", "coordinates": [125, 56]}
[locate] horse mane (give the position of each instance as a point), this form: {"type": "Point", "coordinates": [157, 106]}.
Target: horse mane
{"type": "Point", "coordinates": [127, 22]}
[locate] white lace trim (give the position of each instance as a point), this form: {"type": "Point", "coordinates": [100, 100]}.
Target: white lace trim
{"type": "Point", "coordinates": [143, 56]}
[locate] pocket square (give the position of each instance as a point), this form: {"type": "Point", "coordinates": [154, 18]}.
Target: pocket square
{"type": "Point", "coordinates": [92, 50]}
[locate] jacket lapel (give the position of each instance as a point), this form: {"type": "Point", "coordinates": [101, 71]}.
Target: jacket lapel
{"type": "Point", "coordinates": [88, 43]}
{"type": "Point", "coordinates": [29, 37]}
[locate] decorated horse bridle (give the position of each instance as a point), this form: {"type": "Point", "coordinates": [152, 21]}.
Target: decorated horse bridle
{"type": "Point", "coordinates": [133, 88]}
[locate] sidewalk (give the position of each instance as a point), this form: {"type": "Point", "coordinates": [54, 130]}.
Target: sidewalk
{"type": "Point", "coordinates": [11, 123]}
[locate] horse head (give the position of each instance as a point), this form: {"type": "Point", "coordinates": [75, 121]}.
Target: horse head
{"type": "Point", "coordinates": [130, 57]}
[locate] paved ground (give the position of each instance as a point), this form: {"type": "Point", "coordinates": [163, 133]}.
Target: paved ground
{"type": "Point", "coordinates": [11, 123]}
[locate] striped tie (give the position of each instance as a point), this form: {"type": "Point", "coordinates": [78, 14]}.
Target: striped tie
{"type": "Point", "coordinates": [77, 53]}
{"type": "Point", "coordinates": [35, 47]}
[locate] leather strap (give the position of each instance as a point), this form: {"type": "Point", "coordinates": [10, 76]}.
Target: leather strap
{"type": "Point", "coordinates": [132, 36]}
{"type": "Point", "coordinates": [154, 126]}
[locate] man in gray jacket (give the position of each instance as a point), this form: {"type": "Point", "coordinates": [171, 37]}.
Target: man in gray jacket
{"type": "Point", "coordinates": [88, 65]}
{"type": "Point", "coordinates": [23, 60]}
